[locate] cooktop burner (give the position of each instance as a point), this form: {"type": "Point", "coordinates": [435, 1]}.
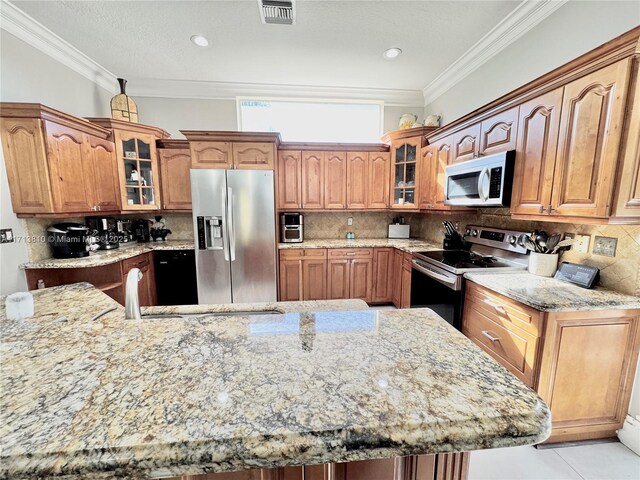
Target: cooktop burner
{"type": "Point", "coordinates": [464, 259]}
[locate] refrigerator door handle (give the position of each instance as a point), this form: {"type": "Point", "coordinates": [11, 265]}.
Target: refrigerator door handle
{"type": "Point", "coordinates": [225, 227]}
{"type": "Point", "coordinates": [232, 230]}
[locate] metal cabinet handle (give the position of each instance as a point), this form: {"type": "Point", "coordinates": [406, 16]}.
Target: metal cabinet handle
{"type": "Point", "coordinates": [489, 336]}
{"type": "Point", "coordinates": [550, 209]}
{"type": "Point", "coordinates": [541, 208]}
{"type": "Point", "coordinates": [497, 306]}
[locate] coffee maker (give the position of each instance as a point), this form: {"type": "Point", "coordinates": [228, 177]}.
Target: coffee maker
{"type": "Point", "coordinates": [68, 240]}
{"type": "Point", "coordinates": [141, 229]}
{"type": "Point", "coordinates": [105, 230]}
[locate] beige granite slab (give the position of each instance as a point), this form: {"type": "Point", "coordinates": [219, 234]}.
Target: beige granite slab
{"type": "Point", "coordinates": [183, 396]}
{"type": "Point", "coordinates": [406, 245]}
{"type": "Point", "coordinates": [551, 295]}
{"type": "Point", "coordinates": [106, 257]}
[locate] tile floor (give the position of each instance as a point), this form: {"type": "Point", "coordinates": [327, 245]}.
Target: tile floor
{"type": "Point", "coordinates": [603, 461]}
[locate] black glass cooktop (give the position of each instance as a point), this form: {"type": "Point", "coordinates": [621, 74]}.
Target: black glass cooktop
{"type": "Point", "coordinates": [464, 259]}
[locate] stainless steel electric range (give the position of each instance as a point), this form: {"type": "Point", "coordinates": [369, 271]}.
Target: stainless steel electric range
{"type": "Point", "coordinates": [437, 278]}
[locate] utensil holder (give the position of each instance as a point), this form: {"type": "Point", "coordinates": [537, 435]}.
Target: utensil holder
{"type": "Point", "coordinates": [543, 264]}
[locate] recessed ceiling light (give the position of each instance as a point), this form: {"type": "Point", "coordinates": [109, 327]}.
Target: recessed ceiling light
{"type": "Point", "coordinates": [199, 40]}
{"type": "Point", "coordinates": [392, 53]}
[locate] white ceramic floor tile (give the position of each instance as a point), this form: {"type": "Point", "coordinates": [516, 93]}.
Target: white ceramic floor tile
{"type": "Point", "coordinates": [519, 463]}
{"type": "Point", "coordinates": [610, 461]}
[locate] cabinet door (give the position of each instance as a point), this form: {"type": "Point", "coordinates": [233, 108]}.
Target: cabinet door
{"type": "Point", "coordinates": [289, 179]}
{"type": "Point", "coordinates": [404, 172]}
{"type": "Point", "coordinates": [335, 186]}
{"type": "Point", "coordinates": [314, 279]}
{"type": "Point", "coordinates": [175, 178]}
{"type": "Point", "coordinates": [397, 278]}
{"type": "Point", "coordinates": [25, 157]}
{"type": "Point", "coordinates": [360, 278]}
{"type": "Point", "coordinates": [211, 155]}
{"type": "Point", "coordinates": [290, 280]}
{"type": "Point", "coordinates": [71, 175]}
{"type": "Point", "coordinates": [313, 180]}
{"type": "Point", "coordinates": [147, 286]}
{"type": "Point", "coordinates": [442, 157]}
{"type": "Point", "coordinates": [253, 155]}
{"type": "Point", "coordinates": [406, 288]}
{"type": "Point", "coordinates": [426, 177]}
{"type": "Point", "coordinates": [357, 170]}
{"type": "Point", "coordinates": [382, 289]}
{"type": "Point", "coordinates": [593, 110]}
{"type": "Point", "coordinates": [466, 144]}
{"type": "Point", "coordinates": [338, 279]}
{"type": "Point", "coordinates": [106, 189]}
{"type": "Point", "coordinates": [378, 187]}
{"type": "Point", "coordinates": [498, 133]}
{"type": "Point", "coordinates": [536, 153]}
{"type": "Point", "coordinates": [587, 369]}
{"type": "Point", "coordinates": [138, 170]}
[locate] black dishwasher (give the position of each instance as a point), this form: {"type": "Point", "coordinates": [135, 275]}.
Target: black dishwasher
{"type": "Point", "coordinates": [176, 277]}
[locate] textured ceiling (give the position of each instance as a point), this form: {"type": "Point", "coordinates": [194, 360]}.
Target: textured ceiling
{"type": "Point", "coordinates": [333, 44]}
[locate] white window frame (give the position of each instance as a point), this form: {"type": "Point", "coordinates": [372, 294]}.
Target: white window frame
{"type": "Point", "coordinates": [308, 100]}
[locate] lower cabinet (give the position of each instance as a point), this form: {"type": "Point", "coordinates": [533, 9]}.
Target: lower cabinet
{"type": "Point", "coordinates": [303, 274]}
{"type": "Point", "coordinates": [350, 273]}
{"type": "Point", "coordinates": [111, 278]}
{"type": "Point", "coordinates": [581, 363]}
{"type": "Point", "coordinates": [382, 288]}
{"type": "Point", "coordinates": [401, 290]}
{"type": "Point", "coordinates": [443, 466]}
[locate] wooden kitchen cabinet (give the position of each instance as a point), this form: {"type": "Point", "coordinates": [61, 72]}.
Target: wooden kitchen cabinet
{"type": "Point", "coordinates": [254, 155]}
{"type": "Point", "coordinates": [407, 267]}
{"type": "Point", "coordinates": [313, 180]}
{"type": "Point", "coordinates": [338, 276]}
{"type": "Point", "coordinates": [314, 279]}
{"type": "Point", "coordinates": [57, 163]}
{"type": "Point", "coordinates": [335, 181]}
{"type": "Point", "coordinates": [214, 155]}
{"type": "Point", "coordinates": [498, 133]}
{"type": "Point", "coordinates": [378, 180]}
{"type": "Point", "coordinates": [404, 173]}
{"type": "Point", "coordinates": [539, 123]}
{"type": "Point", "coordinates": [137, 162]}
{"type": "Point", "coordinates": [357, 180]}
{"type": "Point", "coordinates": [397, 278]}
{"type": "Point", "coordinates": [303, 274]}
{"type": "Point", "coordinates": [426, 177]}
{"type": "Point", "coordinates": [147, 284]}
{"type": "Point", "coordinates": [290, 285]}
{"type": "Point", "coordinates": [382, 288]}
{"type": "Point", "coordinates": [174, 158]}
{"type": "Point", "coordinates": [581, 363]}
{"type": "Point", "coordinates": [289, 174]}
{"type": "Point", "coordinates": [466, 144]}
{"type": "Point", "coordinates": [349, 273]}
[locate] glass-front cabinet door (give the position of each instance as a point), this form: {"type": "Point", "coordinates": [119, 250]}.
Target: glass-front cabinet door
{"type": "Point", "coordinates": [405, 157]}
{"type": "Point", "coordinates": [138, 171]}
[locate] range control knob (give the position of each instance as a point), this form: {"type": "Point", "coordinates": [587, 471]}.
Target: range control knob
{"type": "Point", "coordinates": [474, 233]}
{"type": "Point", "coordinates": [512, 239]}
{"type": "Point", "coordinates": [467, 232]}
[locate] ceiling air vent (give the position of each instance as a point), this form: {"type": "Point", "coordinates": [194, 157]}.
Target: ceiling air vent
{"type": "Point", "coordinates": [280, 12]}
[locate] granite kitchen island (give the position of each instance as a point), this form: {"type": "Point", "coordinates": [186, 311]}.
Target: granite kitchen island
{"type": "Point", "coordinates": [111, 398]}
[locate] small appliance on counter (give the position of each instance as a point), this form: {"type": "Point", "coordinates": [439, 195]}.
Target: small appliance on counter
{"type": "Point", "coordinates": [141, 229]}
{"type": "Point", "coordinates": [291, 228]}
{"type": "Point", "coordinates": [68, 240]}
{"type": "Point", "coordinates": [105, 230]}
{"type": "Point", "coordinates": [398, 229]}
{"type": "Point", "coordinates": [584, 276]}
{"type": "Point", "coordinates": [125, 231]}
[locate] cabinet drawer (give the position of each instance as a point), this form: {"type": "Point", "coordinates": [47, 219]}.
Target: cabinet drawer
{"type": "Point", "coordinates": [351, 253]}
{"type": "Point", "coordinates": [504, 310]}
{"type": "Point", "coordinates": [315, 253]}
{"type": "Point", "coordinates": [139, 261]}
{"type": "Point", "coordinates": [302, 253]}
{"type": "Point", "coordinates": [516, 351]}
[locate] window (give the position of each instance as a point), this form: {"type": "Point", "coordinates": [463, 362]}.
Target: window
{"type": "Point", "coordinates": [309, 121]}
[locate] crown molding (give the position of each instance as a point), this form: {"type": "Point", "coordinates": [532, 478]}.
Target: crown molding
{"type": "Point", "coordinates": [19, 24]}
{"type": "Point", "coordinates": [142, 87]}
{"type": "Point", "coordinates": [522, 19]}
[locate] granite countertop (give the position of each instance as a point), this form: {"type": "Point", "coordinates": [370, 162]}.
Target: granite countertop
{"type": "Point", "coordinates": [171, 396]}
{"type": "Point", "coordinates": [409, 245]}
{"type": "Point", "coordinates": [106, 257]}
{"type": "Point", "coordinates": [551, 295]}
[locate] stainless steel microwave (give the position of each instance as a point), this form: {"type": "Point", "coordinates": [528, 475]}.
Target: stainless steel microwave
{"type": "Point", "coordinates": [481, 182]}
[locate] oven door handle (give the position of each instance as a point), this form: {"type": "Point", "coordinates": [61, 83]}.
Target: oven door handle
{"type": "Point", "coordinates": [430, 273]}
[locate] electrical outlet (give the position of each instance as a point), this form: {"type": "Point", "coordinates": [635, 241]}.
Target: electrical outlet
{"type": "Point", "coordinates": [605, 246]}
{"type": "Point", "coordinates": [350, 221]}
{"type": "Point", "coordinates": [6, 235]}
{"type": "Point", "coordinates": [582, 243]}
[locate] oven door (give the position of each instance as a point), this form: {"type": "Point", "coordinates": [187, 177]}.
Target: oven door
{"type": "Point", "coordinates": [437, 289]}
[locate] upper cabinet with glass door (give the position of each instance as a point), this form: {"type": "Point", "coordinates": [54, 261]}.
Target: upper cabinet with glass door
{"type": "Point", "coordinates": [138, 168]}
{"type": "Point", "coordinates": [406, 148]}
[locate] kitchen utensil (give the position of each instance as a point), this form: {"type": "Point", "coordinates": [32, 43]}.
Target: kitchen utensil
{"type": "Point", "coordinates": [552, 241]}
{"type": "Point", "coordinates": [567, 242]}
{"type": "Point", "coordinates": [543, 264]}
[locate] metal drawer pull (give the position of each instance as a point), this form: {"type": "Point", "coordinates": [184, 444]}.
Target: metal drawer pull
{"type": "Point", "coordinates": [489, 336]}
{"type": "Point", "coordinates": [494, 305]}
{"type": "Point", "coordinates": [351, 253]}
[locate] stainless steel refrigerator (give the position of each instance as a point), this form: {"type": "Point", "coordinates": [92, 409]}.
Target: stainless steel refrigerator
{"type": "Point", "coordinates": [235, 235]}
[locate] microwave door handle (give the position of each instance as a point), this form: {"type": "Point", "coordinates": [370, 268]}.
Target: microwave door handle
{"type": "Point", "coordinates": [432, 274]}
{"type": "Point", "coordinates": [225, 227]}
{"type": "Point", "coordinates": [485, 173]}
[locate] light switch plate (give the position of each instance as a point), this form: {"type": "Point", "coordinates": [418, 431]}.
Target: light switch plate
{"type": "Point", "coordinates": [582, 242]}
{"type": "Point", "coordinates": [6, 235]}
{"type": "Point", "coordinates": [605, 246]}
{"type": "Point", "coordinates": [350, 221]}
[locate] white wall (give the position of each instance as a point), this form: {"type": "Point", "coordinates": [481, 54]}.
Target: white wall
{"type": "Point", "coordinates": [28, 75]}
{"type": "Point", "coordinates": [573, 29]}
{"type": "Point", "coordinates": [175, 114]}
